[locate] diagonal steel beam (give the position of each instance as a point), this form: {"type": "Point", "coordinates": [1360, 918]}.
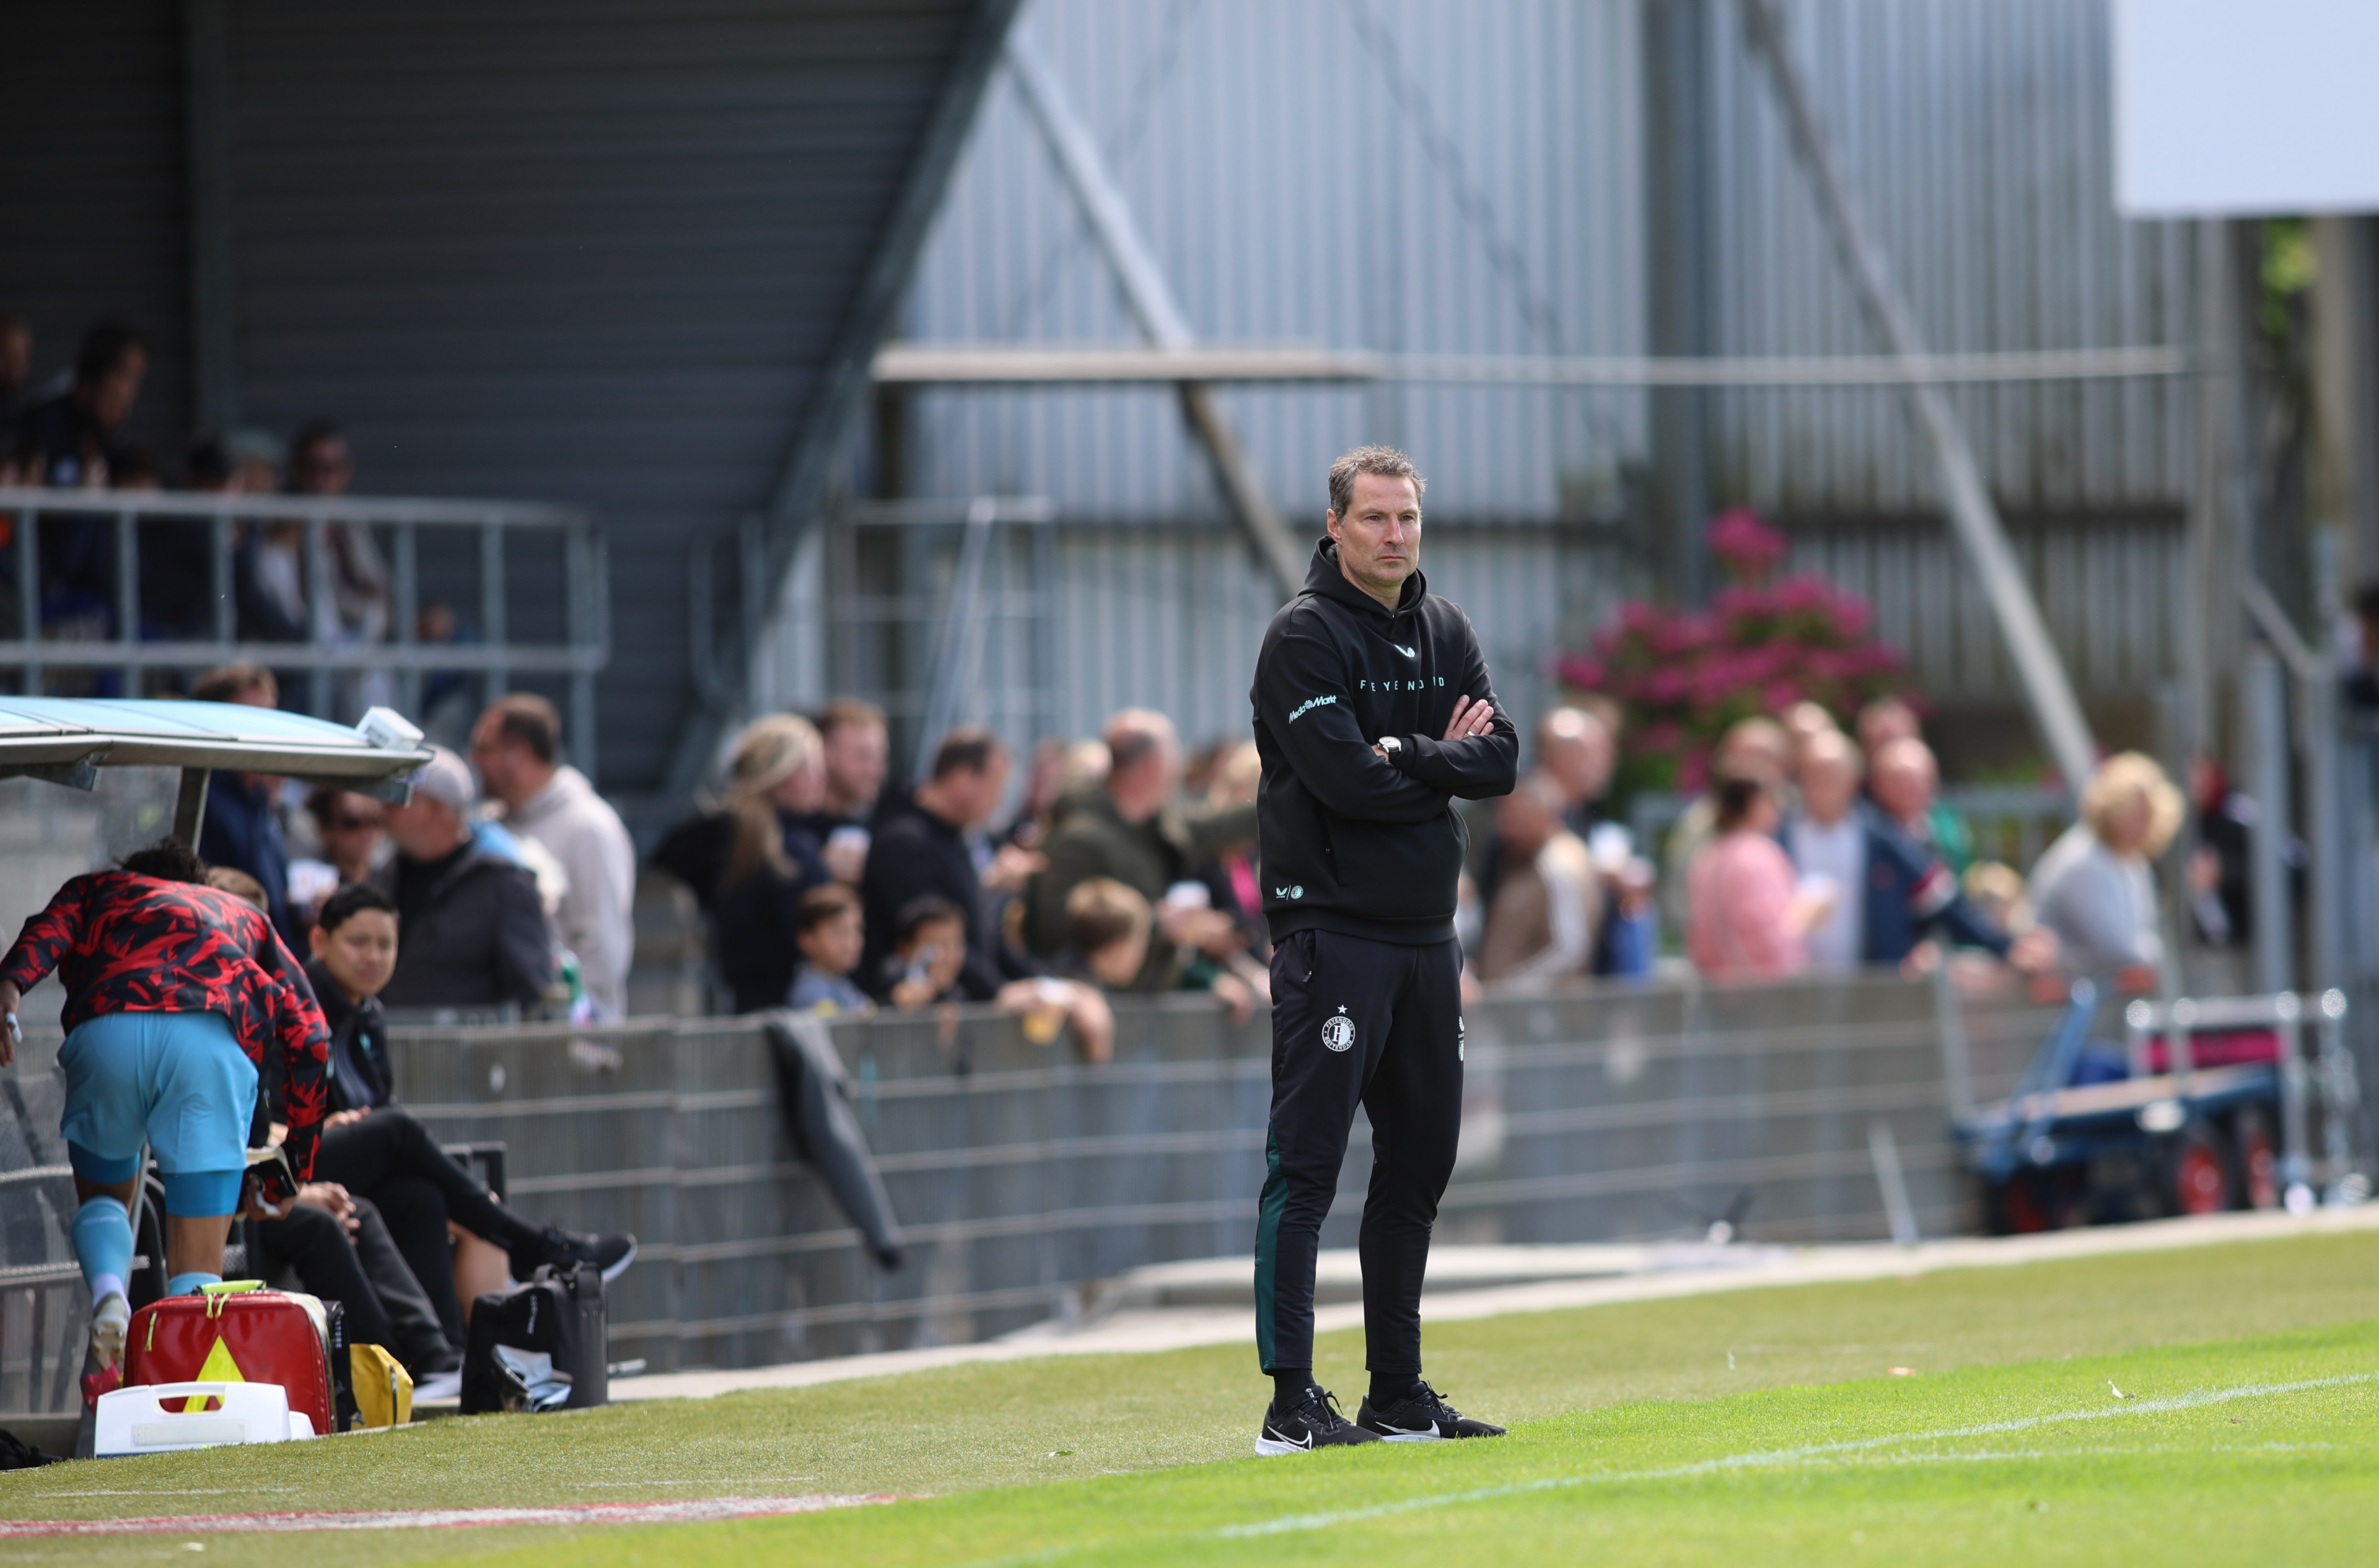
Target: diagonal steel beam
{"type": "Point", "coordinates": [1152, 304]}
{"type": "Point", "coordinates": [2047, 691]}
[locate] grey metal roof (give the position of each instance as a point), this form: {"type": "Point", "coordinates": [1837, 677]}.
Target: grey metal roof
{"type": "Point", "coordinates": [601, 252]}
{"type": "Point", "coordinates": [49, 732]}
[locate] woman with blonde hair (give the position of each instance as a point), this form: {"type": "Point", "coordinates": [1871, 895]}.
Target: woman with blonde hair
{"type": "Point", "coordinates": [748, 858]}
{"type": "Point", "coordinates": [2094, 887]}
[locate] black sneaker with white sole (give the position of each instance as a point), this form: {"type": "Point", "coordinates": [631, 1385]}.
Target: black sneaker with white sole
{"type": "Point", "coordinates": [1421, 1418]}
{"type": "Point", "coordinates": [1311, 1422]}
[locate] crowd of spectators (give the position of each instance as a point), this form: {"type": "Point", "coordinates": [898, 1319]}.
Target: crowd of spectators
{"type": "Point", "coordinates": [515, 899]}
{"type": "Point", "coordinates": [68, 433]}
{"type": "Point", "coordinates": [1126, 866]}
{"type": "Point", "coordinates": [1817, 851]}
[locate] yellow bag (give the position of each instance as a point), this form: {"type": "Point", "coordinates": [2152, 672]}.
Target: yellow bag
{"type": "Point", "coordinates": [384, 1388]}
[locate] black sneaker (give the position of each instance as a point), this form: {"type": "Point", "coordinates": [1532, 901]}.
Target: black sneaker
{"type": "Point", "coordinates": [567, 1249]}
{"type": "Point", "coordinates": [1313, 1422]}
{"type": "Point", "coordinates": [1421, 1418]}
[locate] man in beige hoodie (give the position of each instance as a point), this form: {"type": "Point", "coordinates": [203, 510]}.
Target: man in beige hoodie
{"type": "Point", "coordinates": [516, 746]}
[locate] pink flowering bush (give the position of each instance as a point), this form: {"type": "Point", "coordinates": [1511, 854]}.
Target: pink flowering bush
{"type": "Point", "coordinates": [1684, 675]}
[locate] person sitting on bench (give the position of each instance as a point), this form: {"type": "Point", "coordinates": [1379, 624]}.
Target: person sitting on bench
{"type": "Point", "coordinates": [376, 1151]}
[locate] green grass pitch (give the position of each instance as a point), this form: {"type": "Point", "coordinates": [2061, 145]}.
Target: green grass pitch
{"type": "Point", "coordinates": [1748, 1428]}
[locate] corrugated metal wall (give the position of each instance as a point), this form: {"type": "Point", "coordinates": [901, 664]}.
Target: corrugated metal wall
{"type": "Point", "coordinates": [1400, 175]}
{"type": "Point", "coordinates": [1169, 615]}
{"type": "Point", "coordinates": [1157, 615]}
{"type": "Point", "coordinates": [1289, 196]}
{"type": "Point", "coordinates": [2109, 593]}
{"type": "Point", "coordinates": [1978, 135]}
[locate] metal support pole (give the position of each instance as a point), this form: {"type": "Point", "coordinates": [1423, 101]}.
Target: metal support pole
{"type": "Point", "coordinates": [2296, 1148]}
{"type": "Point", "coordinates": [2324, 832]}
{"type": "Point", "coordinates": [1044, 626]}
{"type": "Point", "coordinates": [128, 592]}
{"type": "Point", "coordinates": [491, 608]}
{"type": "Point", "coordinates": [2263, 696]}
{"type": "Point", "coordinates": [29, 594]}
{"type": "Point", "coordinates": [2047, 691]}
{"type": "Point", "coordinates": [190, 805]}
{"type": "Point", "coordinates": [1677, 175]}
{"type": "Point", "coordinates": [407, 571]}
{"type": "Point", "coordinates": [225, 569]}
{"type": "Point", "coordinates": [2222, 488]}
{"type": "Point", "coordinates": [2316, 754]}
{"type": "Point", "coordinates": [579, 630]}
{"type": "Point", "coordinates": [323, 615]}
{"type": "Point", "coordinates": [952, 658]}
{"type": "Point", "coordinates": [1152, 304]}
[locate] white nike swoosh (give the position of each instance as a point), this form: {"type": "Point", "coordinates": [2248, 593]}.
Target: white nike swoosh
{"type": "Point", "coordinates": [1408, 653]}
{"type": "Point", "coordinates": [1387, 1431]}
{"type": "Point", "coordinates": [1274, 1433]}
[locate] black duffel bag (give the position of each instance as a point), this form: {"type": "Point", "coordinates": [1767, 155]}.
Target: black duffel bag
{"type": "Point", "coordinates": [558, 1315]}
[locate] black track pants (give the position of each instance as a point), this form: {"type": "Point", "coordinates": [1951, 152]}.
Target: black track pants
{"type": "Point", "coordinates": [1374, 1023]}
{"type": "Point", "coordinates": [390, 1159]}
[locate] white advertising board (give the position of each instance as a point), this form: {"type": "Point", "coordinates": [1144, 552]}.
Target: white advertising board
{"type": "Point", "coordinates": [2246, 107]}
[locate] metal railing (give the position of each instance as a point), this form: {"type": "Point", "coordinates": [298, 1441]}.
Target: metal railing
{"type": "Point", "coordinates": [1022, 1178]}
{"type": "Point", "coordinates": [464, 548]}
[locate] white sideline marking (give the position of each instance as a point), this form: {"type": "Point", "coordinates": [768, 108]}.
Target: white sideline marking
{"type": "Point", "coordinates": [1789, 1455]}
{"type": "Point", "coordinates": [441, 1518]}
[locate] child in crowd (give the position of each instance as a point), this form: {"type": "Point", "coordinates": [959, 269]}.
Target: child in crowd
{"type": "Point", "coordinates": [929, 948]}
{"type": "Point", "coordinates": [1107, 927]}
{"type": "Point", "coordinates": [827, 931]}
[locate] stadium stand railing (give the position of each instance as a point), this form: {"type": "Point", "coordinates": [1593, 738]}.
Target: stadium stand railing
{"type": "Point", "coordinates": [526, 585]}
{"type": "Point", "coordinates": [1024, 1178]}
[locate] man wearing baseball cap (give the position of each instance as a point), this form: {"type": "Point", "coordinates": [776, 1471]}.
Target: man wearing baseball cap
{"type": "Point", "coordinates": [474, 931]}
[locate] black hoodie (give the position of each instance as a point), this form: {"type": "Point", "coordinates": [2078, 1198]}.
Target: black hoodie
{"type": "Point", "coordinates": [1350, 842]}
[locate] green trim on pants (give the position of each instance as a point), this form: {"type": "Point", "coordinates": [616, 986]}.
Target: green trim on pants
{"type": "Point", "coordinates": [1269, 1209]}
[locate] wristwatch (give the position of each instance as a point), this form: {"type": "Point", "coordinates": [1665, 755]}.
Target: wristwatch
{"type": "Point", "coordinates": [1390, 745]}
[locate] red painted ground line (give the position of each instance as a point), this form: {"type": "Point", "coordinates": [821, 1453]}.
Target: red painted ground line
{"type": "Point", "coordinates": [680, 1512]}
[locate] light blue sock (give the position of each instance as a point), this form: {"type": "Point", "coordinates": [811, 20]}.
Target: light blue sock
{"type": "Point", "coordinates": [103, 1244]}
{"type": "Point", "coordinates": [188, 1285]}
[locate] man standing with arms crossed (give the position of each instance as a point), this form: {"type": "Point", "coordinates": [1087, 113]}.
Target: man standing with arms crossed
{"type": "Point", "coordinates": [1373, 713]}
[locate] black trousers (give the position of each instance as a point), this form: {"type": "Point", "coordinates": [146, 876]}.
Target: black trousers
{"type": "Point", "coordinates": [365, 1273]}
{"type": "Point", "coordinates": [390, 1159]}
{"type": "Point", "coordinates": [1356, 1023]}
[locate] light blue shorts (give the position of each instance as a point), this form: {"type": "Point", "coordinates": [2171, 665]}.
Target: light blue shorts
{"type": "Point", "coordinates": [177, 1080]}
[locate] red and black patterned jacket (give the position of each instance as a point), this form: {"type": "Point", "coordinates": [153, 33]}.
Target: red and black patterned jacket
{"type": "Point", "coordinates": [123, 943]}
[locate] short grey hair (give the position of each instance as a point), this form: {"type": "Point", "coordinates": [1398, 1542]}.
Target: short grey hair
{"type": "Point", "coordinates": [1384, 461]}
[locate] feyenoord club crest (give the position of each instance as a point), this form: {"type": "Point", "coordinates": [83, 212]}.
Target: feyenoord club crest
{"type": "Point", "coordinates": [1338, 1032]}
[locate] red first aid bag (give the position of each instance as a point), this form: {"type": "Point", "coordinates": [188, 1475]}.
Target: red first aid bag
{"type": "Point", "coordinates": [238, 1332]}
